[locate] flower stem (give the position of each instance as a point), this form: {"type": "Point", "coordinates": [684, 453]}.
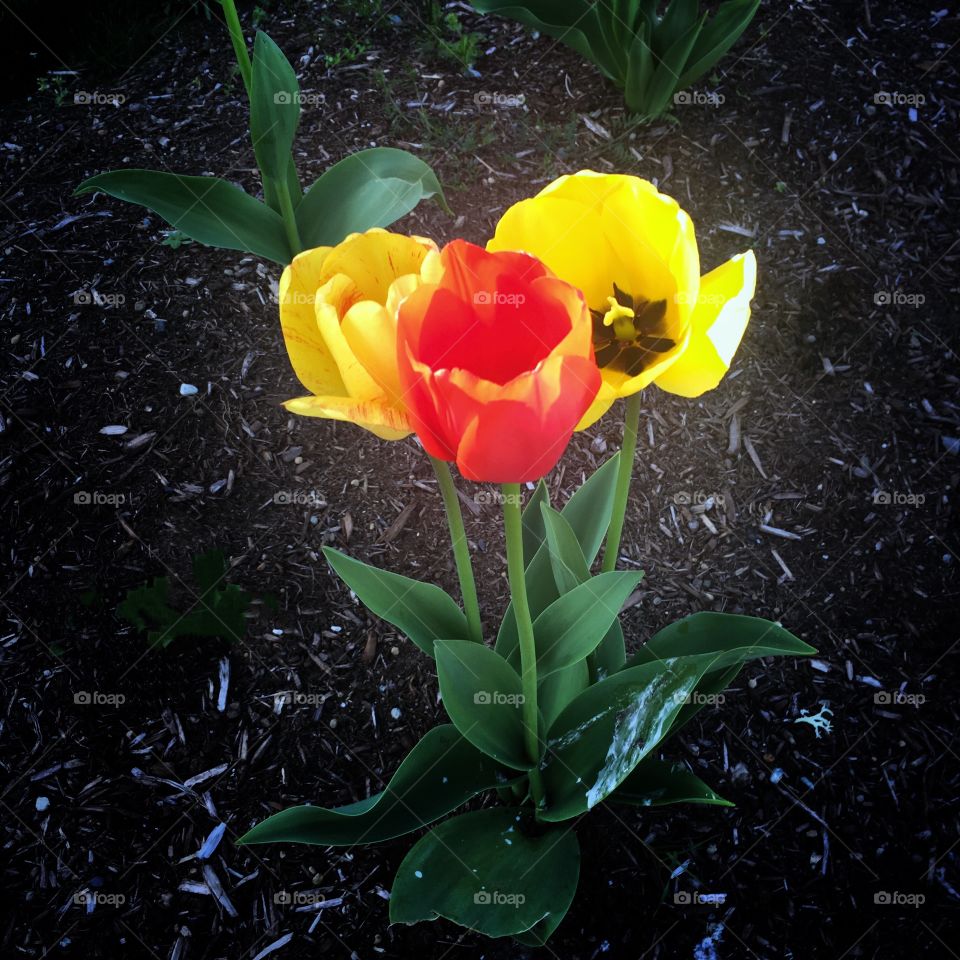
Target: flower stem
{"type": "Point", "coordinates": [289, 218]}
{"type": "Point", "coordinates": [513, 529]}
{"type": "Point", "coordinates": [239, 44]}
{"type": "Point", "coordinates": [631, 421]}
{"type": "Point", "coordinates": [461, 550]}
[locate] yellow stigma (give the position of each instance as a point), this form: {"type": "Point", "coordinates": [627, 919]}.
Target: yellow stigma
{"type": "Point", "coordinates": [621, 319]}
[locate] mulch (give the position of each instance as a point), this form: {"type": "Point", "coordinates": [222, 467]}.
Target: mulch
{"type": "Point", "coordinates": [815, 486]}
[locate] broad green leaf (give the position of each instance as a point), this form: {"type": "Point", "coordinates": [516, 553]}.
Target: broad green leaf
{"type": "Point", "coordinates": [274, 109]}
{"type": "Point", "coordinates": [532, 522]}
{"type": "Point", "coordinates": [573, 625]}
{"type": "Point", "coordinates": [656, 783]}
{"type": "Point", "coordinates": [588, 513]}
{"type": "Point", "coordinates": [610, 655]}
{"type": "Point", "coordinates": [441, 772]}
{"type": "Point", "coordinates": [567, 562]}
{"type": "Point", "coordinates": [666, 75]}
{"type": "Point", "coordinates": [371, 188]}
{"type": "Point", "coordinates": [606, 731]}
{"type": "Point", "coordinates": [484, 871]}
{"type": "Point", "coordinates": [710, 684]}
{"type": "Point", "coordinates": [679, 19]}
{"type": "Point", "coordinates": [483, 696]}
{"type": "Point", "coordinates": [559, 689]}
{"type": "Point", "coordinates": [569, 569]}
{"type": "Point", "coordinates": [733, 637]}
{"type": "Point", "coordinates": [421, 610]}
{"type": "Point", "coordinates": [206, 209]}
{"type": "Point", "coordinates": [639, 72]}
{"type": "Point", "coordinates": [716, 38]}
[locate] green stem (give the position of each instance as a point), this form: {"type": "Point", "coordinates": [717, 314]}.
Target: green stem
{"type": "Point", "coordinates": [513, 529]}
{"type": "Point", "coordinates": [631, 421]}
{"type": "Point", "coordinates": [239, 44]}
{"type": "Point", "coordinates": [289, 219]}
{"type": "Point", "coordinates": [461, 550]}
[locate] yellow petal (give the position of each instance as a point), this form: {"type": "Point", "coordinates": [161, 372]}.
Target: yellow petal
{"type": "Point", "coordinates": [335, 299]}
{"type": "Point", "coordinates": [370, 332]}
{"type": "Point", "coordinates": [373, 260]}
{"type": "Point", "coordinates": [376, 415]}
{"type": "Point", "coordinates": [309, 355]}
{"type": "Point", "coordinates": [717, 326]}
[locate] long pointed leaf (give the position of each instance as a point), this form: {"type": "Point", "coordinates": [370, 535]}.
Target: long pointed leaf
{"type": "Point", "coordinates": [206, 209]}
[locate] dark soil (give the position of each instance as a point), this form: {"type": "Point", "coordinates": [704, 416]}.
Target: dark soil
{"type": "Point", "coordinates": [837, 425]}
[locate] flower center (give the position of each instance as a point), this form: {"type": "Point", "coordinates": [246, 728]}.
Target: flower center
{"type": "Point", "coordinates": [631, 334]}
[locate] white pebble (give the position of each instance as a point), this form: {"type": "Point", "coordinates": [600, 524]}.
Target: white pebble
{"type": "Point", "coordinates": [187, 390]}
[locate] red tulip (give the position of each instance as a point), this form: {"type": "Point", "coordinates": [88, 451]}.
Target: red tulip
{"type": "Point", "coordinates": [496, 362]}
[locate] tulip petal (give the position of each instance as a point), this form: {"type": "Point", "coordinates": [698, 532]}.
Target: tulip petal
{"type": "Point", "coordinates": [309, 355]}
{"type": "Point", "coordinates": [370, 332]}
{"type": "Point", "coordinates": [717, 326]}
{"type": "Point", "coordinates": [522, 438]}
{"type": "Point", "coordinates": [335, 299]}
{"type": "Point", "coordinates": [376, 415]}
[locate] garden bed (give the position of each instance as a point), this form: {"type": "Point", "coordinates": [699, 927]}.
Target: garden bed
{"type": "Point", "coordinates": [826, 462]}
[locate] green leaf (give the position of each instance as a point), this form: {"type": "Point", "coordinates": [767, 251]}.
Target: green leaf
{"type": "Point", "coordinates": [666, 75]}
{"type": "Point", "coordinates": [610, 655]}
{"type": "Point", "coordinates": [656, 783]}
{"type": "Point", "coordinates": [532, 521]}
{"type": "Point", "coordinates": [483, 696]}
{"type": "Point", "coordinates": [574, 624]}
{"type": "Point", "coordinates": [733, 637]}
{"type": "Point", "coordinates": [678, 20]}
{"type": "Point", "coordinates": [206, 209]}
{"type": "Point", "coordinates": [588, 514]}
{"type": "Point", "coordinates": [710, 684]}
{"type": "Point", "coordinates": [421, 610]}
{"type": "Point", "coordinates": [274, 109]}
{"type": "Point", "coordinates": [717, 37]}
{"type": "Point", "coordinates": [483, 871]}
{"type": "Point", "coordinates": [372, 188]}
{"type": "Point", "coordinates": [559, 689]}
{"type": "Point", "coordinates": [567, 562]}
{"type": "Point", "coordinates": [606, 731]}
{"type": "Point", "coordinates": [441, 772]}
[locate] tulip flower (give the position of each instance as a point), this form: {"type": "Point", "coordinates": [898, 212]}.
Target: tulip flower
{"type": "Point", "coordinates": [338, 312]}
{"type": "Point", "coordinates": [633, 252]}
{"type": "Point", "coordinates": [496, 362]}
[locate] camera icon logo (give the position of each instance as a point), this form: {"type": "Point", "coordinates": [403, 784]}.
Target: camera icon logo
{"type": "Point", "coordinates": [482, 697]}
{"type": "Point", "coordinates": [482, 897]}
{"type": "Point", "coordinates": [283, 97]}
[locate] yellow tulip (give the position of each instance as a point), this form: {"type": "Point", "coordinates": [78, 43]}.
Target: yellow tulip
{"type": "Point", "coordinates": [338, 312]}
{"type": "Point", "coordinates": [633, 252]}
